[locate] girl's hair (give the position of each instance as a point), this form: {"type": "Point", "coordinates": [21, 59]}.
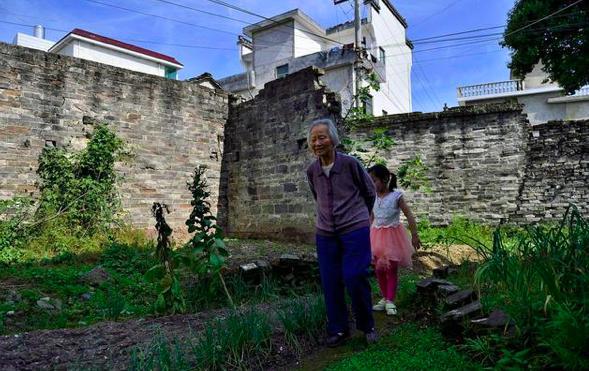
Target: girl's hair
{"type": "Point", "coordinates": [331, 129]}
{"type": "Point", "coordinates": [385, 176]}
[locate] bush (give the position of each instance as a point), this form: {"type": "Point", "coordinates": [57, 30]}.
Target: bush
{"type": "Point", "coordinates": [542, 281]}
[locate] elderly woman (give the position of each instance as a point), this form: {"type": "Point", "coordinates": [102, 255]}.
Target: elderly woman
{"type": "Point", "coordinates": [344, 194]}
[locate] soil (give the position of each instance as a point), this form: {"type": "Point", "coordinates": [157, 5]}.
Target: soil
{"type": "Point", "coordinates": [108, 345]}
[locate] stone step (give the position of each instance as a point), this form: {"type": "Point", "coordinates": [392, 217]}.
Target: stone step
{"type": "Point", "coordinates": [460, 298]}
{"type": "Point", "coordinates": [458, 315]}
{"type": "Point", "coordinates": [447, 290]}
{"type": "Point", "coordinates": [496, 321]}
{"type": "Point", "coordinates": [429, 285]}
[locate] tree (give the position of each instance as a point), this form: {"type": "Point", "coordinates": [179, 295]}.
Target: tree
{"type": "Point", "coordinates": [560, 41]}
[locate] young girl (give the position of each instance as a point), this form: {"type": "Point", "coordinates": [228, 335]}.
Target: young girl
{"type": "Point", "coordinates": [390, 243]}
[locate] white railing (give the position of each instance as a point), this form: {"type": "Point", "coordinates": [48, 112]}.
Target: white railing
{"type": "Point", "coordinates": [490, 88]}
{"type": "Point", "coordinates": [582, 91]}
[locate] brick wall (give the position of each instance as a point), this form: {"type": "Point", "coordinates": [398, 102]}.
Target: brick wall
{"type": "Point", "coordinates": [265, 192]}
{"type": "Point", "coordinates": [170, 126]}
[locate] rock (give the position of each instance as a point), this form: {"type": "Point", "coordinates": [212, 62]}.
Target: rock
{"type": "Point", "coordinates": [263, 264]}
{"type": "Point", "coordinates": [96, 276]}
{"type": "Point", "coordinates": [10, 313]}
{"type": "Point", "coordinates": [248, 268]}
{"type": "Point", "coordinates": [87, 296]}
{"type": "Point", "coordinates": [14, 297]}
{"type": "Point", "coordinates": [441, 272]}
{"type": "Point", "coordinates": [289, 259]}
{"type": "Point", "coordinates": [56, 303]}
{"type": "Point", "coordinates": [460, 298]}
{"type": "Point", "coordinates": [457, 315]}
{"type": "Point", "coordinates": [44, 304]}
{"type": "Point", "coordinates": [497, 319]}
{"type": "Point", "coordinates": [445, 290]}
{"type": "Point", "coordinates": [430, 284]}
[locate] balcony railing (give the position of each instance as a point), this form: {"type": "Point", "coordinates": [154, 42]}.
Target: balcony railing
{"type": "Point", "coordinates": [490, 88]}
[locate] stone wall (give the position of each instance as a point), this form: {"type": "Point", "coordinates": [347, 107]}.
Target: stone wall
{"type": "Point", "coordinates": [170, 126]}
{"type": "Point", "coordinates": [486, 163]}
{"type": "Point", "coordinates": [556, 171]}
{"type": "Point", "coordinates": [265, 191]}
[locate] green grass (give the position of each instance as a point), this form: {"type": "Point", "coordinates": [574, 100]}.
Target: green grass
{"type": "Point", "coordinates": [127, 294]}
{"type": "Point", "coordinates": [408, 347]}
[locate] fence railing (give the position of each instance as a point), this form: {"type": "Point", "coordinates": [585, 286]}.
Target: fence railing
{"type": "Point", "coordinates": [490, 88]}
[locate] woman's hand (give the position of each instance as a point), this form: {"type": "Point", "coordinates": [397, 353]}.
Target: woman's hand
{"type": "Point", "coordinates": [415, 241]}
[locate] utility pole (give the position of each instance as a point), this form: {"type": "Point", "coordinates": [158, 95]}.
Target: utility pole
{"type": "Point", "coordinates": [358, 49]}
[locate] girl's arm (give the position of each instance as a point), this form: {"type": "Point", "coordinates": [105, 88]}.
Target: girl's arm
{"type": "Point", "coordinates": [411, 220]}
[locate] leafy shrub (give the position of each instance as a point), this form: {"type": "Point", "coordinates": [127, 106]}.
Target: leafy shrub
{"type": "Point", "coordinates": [541, 281]}
{"type": "Point", "coordinates": [14, 214]}
{"type": "Point", "coordinates": [81, 186]}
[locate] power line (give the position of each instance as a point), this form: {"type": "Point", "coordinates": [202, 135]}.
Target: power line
{"type": "Point", "coordinates": [202, 11]}
{"type": "Point", "coordinates": [239, 9]}
{"type": "Point", "coordinates": [543, 18]}
{"type": "Point", "coordinates": [133, 40]}
{"type": "Point", "coordinates": [458, 33]}
{"type": "Point", "coordinates": [161, 17]}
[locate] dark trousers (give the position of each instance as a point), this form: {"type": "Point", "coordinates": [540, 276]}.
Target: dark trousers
{"type": "Point", "coordinates": [344, 261]}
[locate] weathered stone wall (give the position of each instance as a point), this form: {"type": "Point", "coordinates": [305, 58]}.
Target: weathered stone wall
{"type": "Point", "coordinates": [170, 126]}
{"type": "Point", "coordinates": [486, 163]}
{"type": "Point", "coordinates": [476, 158]}
{"type": "Point", "coordinates": [265, 191]}
{"type": "Point", "coordinates": [556, 171]}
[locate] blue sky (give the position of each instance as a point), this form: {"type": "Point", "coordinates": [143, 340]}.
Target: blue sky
{"type": "Point", "coordinates": [436, 73]}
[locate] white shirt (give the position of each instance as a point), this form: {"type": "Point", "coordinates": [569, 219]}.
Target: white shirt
{"type": "Point", "coordinates": [387, 211]}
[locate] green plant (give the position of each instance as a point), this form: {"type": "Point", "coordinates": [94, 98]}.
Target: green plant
{"type": "Point", "coordinates": [161, 354]}
{"type": "Point", "coordinates": [412, 174]}
{"type": "Point", "coordinates": [302, 318]}
{"type": "Point", "coordinates": [205, 252]}
{"type": "Point", "coordinates": [542, 281]}
{"type": "Point", "coordinates": [171, 296]}
{"type": "Point", "coordinates": [14, 214]}
{"type": "Point", "coordinates": [81, 187]}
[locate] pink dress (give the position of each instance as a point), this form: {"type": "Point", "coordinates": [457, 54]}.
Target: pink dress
{"type": "Point", "coordinates": [388, 237]}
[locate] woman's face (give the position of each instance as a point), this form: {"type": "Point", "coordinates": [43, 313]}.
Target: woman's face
{"type": "Point", "coordinates": [378, 184]}
{"type": "Point", "coordinates": [321, 143]}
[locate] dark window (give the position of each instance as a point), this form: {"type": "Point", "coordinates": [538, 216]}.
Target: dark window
{"type": "Point", "coordinates": [384, 113]}
{"type": "Point", "coordinates": [281, 71]}
{"type": "Point", "coordinates": [367, 105]}
{"type": "Point", "coordinates": [382, 55]}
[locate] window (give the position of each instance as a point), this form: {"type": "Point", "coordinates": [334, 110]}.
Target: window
{"type": "Point", "coordinates": [367, 105]}
{"type": "Point", "coordinates": [382, 55]}
{"type": "Point", "coordinates": [384, 113]}
{"type": "Point", "coordinates": [171, 73]}
{"type": "Point", "coordinates": [281, 71]}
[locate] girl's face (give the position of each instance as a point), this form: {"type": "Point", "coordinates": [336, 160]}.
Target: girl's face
{"type": "Point", "coordinates": [378, 184]}
{"type": "Point", "coordinates": [321, 143]}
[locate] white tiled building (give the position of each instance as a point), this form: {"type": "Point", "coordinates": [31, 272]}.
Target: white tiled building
{"type": "Point", "coordinates": [542, 100]}
{"type": "Point", "coordinates": [87, 45]}
{"type": "Point", "coordinates": [292, 41]}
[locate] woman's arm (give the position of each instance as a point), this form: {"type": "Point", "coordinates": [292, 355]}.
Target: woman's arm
{"type": "Point", "coordinates": [411, 220]}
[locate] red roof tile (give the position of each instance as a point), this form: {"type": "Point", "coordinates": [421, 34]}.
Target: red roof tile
{"type": "Point", "coordinates": [120, 44]}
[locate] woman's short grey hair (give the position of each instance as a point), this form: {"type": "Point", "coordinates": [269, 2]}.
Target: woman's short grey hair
{"type": "Point", "coordinates": [331, 129]}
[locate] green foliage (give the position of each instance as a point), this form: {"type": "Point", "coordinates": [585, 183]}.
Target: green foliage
{"type": "Point", "coordinates": [412, 174]}
{"type": "Point", "coordinates": [560, 42]}
{"type": "Point", "coordinates": [161, 354]}
{"type": "Point", "coordinates": [542, 281]}
{"type": "Point", "coordinates": [460, 230]}
{"type": "Point", "coordinates": [302, 318]}
{"type": "Point", "coordinates": [408, 347]}
{"type": "Point", "coordinates": [14, 214]}
{"type": "Point", "coordinates": [205, 253]}
{"type": "Point", "coordinates": [81, 187]}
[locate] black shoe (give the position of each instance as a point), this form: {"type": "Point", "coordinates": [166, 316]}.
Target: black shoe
{"type": "Point", "coordinates": [371, 337]}
{"type": "Point", "coordinates": [337, 339]}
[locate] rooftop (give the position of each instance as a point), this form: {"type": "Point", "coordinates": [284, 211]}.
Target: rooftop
{"type": "Point", "coordinates": [79, 33]}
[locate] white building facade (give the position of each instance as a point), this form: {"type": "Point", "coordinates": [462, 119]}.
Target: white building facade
{"type": "Point", "coordinates": [87, 45]}
{"type": "Point", "coordinates": [542, 100]}
{"type": "Point", "coordinates": [292, 41]}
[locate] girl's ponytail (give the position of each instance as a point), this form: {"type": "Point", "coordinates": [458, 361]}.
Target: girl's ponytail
{"type": "Point", "coordinates": [393, 182]}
